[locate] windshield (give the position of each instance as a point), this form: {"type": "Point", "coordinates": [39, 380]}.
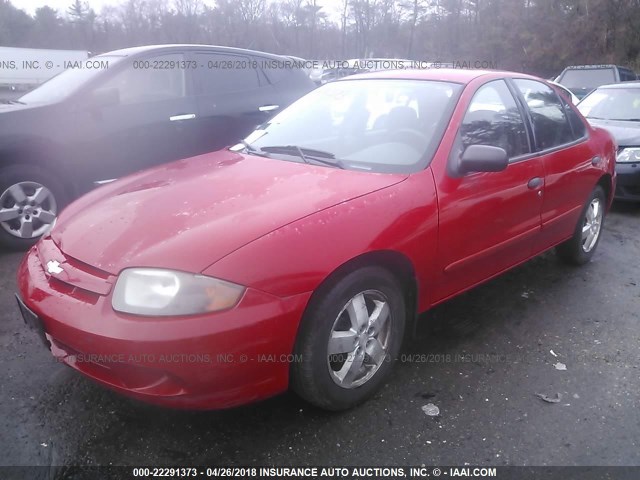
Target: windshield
{"type": "Point", "coordinates": [612, 104]}
{"type": "Point", "coordinates": [69, 81]}
{"type": "Point", "coordinates": [377, 125]}
{"type": "Point", "coordinates": [587, 77]}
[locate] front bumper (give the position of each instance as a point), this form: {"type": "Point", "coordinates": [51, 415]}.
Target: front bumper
{"type": "Point", "coordinates": [202, 362]}
{"type": "Point", "coordinates": [628, 183]}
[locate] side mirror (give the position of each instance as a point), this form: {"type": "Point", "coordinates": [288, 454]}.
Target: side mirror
{"type": "Point", "coordinates": [483, 158]}
{"type": "Point", "coordinates": [104, 98]}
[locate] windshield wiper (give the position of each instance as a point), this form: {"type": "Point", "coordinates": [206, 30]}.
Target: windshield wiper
{"type": "Point", "coordinates": [308, 155]}
{"type": "Point", "coordinates": [11, 102]}
{"type": "Point", "coordinates": [624, 119]}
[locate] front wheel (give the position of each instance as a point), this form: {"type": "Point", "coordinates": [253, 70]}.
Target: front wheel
{"type": "Point", "coordinates": [30, 201]}
{"type": "Point", "coordinates": [579, 249]}
{"type": "Point", "coordinates": [349, 339]}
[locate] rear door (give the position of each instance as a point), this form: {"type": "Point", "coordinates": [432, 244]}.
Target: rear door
{"type": "Point", "coordinates": [488, 221]}
{"type": "Point", "coordinates": [233, 97]}
{"type": "Point", "coordinates": [569, 160]}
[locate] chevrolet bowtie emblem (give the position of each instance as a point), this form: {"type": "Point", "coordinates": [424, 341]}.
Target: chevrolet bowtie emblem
{"type": "Point", "coordinates": [53, 267]}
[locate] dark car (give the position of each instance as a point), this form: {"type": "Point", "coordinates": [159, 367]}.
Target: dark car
{"type": "Point", "coordinates": [582, 79]}
{"type": "Point", "coordinates": [617, 108]}
{"type": "Point", "coordinates": [126, 110]}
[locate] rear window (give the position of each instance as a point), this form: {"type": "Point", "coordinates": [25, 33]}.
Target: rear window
{"type": "Point", "coordinates": [577, 125]}
{"type": "Point", "coordinates": [587, 77]}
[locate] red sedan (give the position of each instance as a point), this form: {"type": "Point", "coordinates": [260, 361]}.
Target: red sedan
{"type": "Point", "coordinates": [301, 256]}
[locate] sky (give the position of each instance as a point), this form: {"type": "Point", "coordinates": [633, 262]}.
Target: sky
{"type": "Point", "coordinates": [61, 6]}
{"type": "Point", "coordinates": [30, 6]}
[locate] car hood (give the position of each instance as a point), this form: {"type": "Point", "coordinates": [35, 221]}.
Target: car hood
{"type": "Point", "coordinates": [626, 134]}
{"type": "Point", "coordinates": [10, 107]}
{"type": "Point", "coordinates": [188, 214]}
{"type": "Point", "coordinates": [19, 107]}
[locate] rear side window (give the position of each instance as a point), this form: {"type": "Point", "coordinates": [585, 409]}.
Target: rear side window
{"type": "Point", "coordinates": [550, 123]}
{"type": "Point", "coordinates": [493, 119]}
{"type": "Point", "coordinates": [564, 91]}
{"type": "Point", "coordinates": [276, 70]}
{"type": "Point", "coordinates": [577, 125]}
{"type": "Point", "coordinates": [220, 73]}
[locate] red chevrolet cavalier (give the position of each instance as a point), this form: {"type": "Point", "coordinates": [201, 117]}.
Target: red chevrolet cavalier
{"type": "Point", "coordinates": [301, 256]}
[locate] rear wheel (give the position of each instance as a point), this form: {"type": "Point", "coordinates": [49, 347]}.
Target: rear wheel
{"type": "Point", "coordinates": [579, 249]}
{"type": "Point", "coordinates": [30, 201]}
{"type": "Point", "coordinates": [348, 340]}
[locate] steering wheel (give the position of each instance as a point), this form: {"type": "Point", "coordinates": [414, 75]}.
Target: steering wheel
{"type": "Point", "coordinates": [411, 137]}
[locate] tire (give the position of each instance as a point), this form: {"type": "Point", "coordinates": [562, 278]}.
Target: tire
{"type": "Point", "coordinates": [28, 195]}
{"type": "Point", "coordinates": [370, 350]}
{"type": "Point", "coordinates": [579, 249]}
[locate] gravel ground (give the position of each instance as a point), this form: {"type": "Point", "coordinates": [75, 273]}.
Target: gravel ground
{"type": "Point", "coordinates": [480, 358]}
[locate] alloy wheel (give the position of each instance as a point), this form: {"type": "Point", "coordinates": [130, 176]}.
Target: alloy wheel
{"type": "Point", "coordinates": [359, 339]}
{"type": "Point", "coordinates": [27, 210]}
{"type": "Point", "coordinates": [592, 225]}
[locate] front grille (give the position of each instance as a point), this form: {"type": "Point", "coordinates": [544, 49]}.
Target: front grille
{"type": "Point", "coordinates": [63, 270]}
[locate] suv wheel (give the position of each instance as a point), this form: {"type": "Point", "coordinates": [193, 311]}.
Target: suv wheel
{"type": "Point", "coordinates": [30, 201]}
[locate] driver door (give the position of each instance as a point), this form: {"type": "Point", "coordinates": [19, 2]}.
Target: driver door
{"type": "Point", "coordinates": [146, 124]}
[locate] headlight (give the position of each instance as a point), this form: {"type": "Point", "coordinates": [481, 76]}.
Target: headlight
{"type": "Point", "coordinates": [629, 155]}
{"type": "Point", "coordinates": [152, 291]}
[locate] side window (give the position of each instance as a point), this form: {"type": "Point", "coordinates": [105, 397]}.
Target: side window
{"type": "Point", "coordinates": [627, 75]}
{"type": "Point", "coordinates": [220, 73]}
{"type": "Point", "coordinates": [149, 80]}
{"type": "Point", "coordinates": [550, 123]}
{"type": "Point", "coordinates": [564, 93]}
{"type": "Point", "coordinates": [274, 70]}
{"type": "Point", "coordinates": [493, 118]}
{"type": "Point", "coordinates": [577, 125]}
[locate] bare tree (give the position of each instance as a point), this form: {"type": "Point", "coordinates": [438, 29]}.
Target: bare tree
{"type": "Point", "coordinates": [344, 17]}
{"type": "Point", "coordinates": [536, 36]}
{"type": "Point", "coordinates": [313, 14]}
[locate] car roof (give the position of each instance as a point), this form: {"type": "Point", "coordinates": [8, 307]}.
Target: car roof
{"type": "Point", "coordinates": [621, 85]}
{"type": "Point", "coordinates": [591, 67]}
{"type": "Point", "coordinates": [456, 75]}
{"type": "Point", "coordinates": [131, 51]}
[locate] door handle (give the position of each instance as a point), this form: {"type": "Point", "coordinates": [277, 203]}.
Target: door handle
{"type": "Point", "coordinates": [184, 116]}
{"type": "Point", "coordinates": [534, 183]}
{"type": "Point", "coordinates": [596, 160]}
{"type": "Point", "coordinates": [268, 108]}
